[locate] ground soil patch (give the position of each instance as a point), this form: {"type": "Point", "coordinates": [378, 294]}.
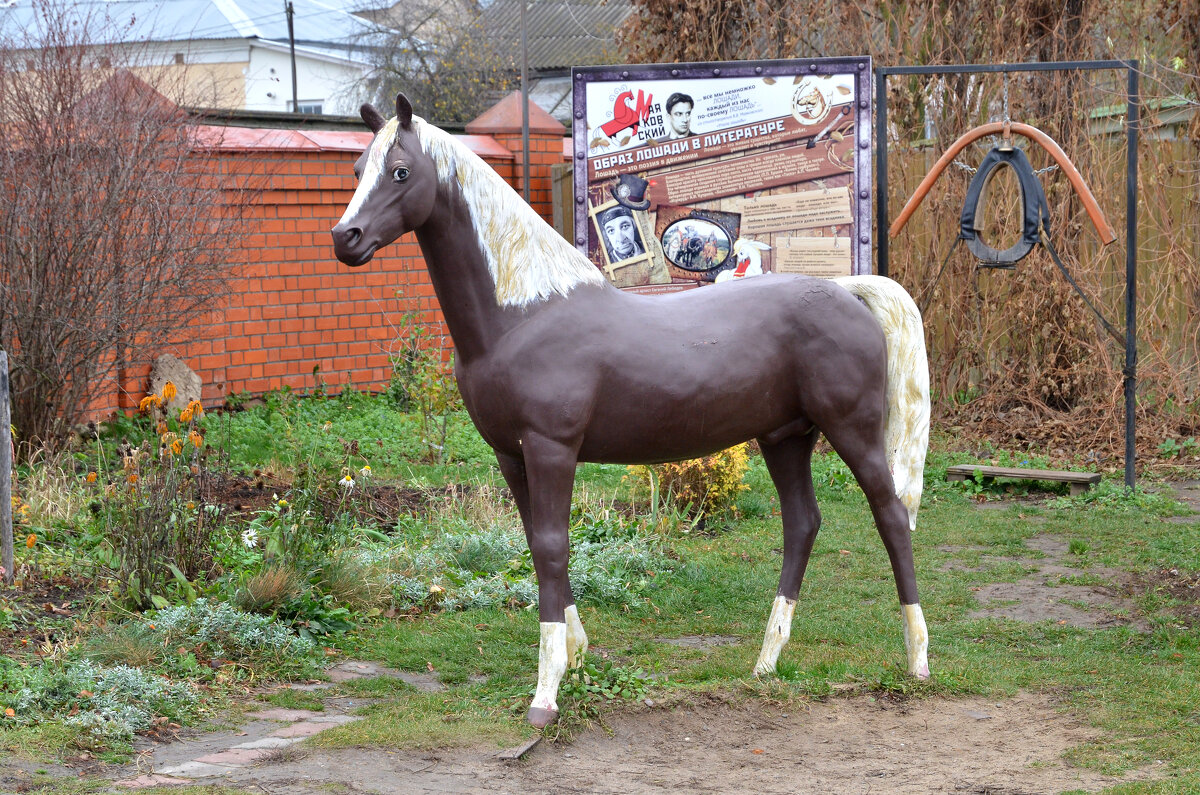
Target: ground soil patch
{"type": "Point", "coordinates": [855, 744]}
{"type": "Point", "coordinates": [1047, 593]}
{"type": "Point", "coordinates": [44, 612]}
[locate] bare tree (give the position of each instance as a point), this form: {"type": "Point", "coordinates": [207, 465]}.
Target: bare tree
{"type": "Point", "coordinates": [441, 55]}
{"type": "Point", "coordinates": [114, 220]}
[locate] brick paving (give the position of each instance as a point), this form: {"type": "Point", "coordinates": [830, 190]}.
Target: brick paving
{"type": "Point", "coordinates": [220, 755]}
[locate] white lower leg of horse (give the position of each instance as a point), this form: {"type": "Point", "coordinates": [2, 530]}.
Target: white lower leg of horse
{"type": "Point", "coordinates": [577, 641]}
{"type": "Point", "coordinates": [779, 629]}
{"type": "Point", "coordinates": [552, 664]}
{"type": "Point", "coordinates": [916, 641]}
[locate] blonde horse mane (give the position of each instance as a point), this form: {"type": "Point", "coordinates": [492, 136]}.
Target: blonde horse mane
{"type": "Point", "coordinates": [528, 260]}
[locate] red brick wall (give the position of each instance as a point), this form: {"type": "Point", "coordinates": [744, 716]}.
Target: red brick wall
{"type": "Point", "coordinates": [294, 306]}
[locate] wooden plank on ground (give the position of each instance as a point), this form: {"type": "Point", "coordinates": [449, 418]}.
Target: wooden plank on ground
{"type": "Point", "coordinates": [513, 754]}
{"type": "Point", "coordinates": [1079, 481]}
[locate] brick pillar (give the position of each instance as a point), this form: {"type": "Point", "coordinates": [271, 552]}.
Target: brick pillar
{"type": "Point", "coordinates": [502, 122]}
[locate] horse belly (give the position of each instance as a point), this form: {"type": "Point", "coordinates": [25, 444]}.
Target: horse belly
{"type": "Point", "coordinates": [693, 404]}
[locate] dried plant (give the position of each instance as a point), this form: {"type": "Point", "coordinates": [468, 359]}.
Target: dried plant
{"type": "Point", "coordinates": [266, 591]}
{"type": "Point", "coordinates": [114, 219]}
{"type": "Point", "coordinates": [1017, 357]}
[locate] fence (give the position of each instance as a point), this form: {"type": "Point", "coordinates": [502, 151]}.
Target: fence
{"type": "Point", "coordinates": [297, 314]}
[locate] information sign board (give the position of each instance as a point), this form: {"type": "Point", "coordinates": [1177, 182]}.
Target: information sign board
{"type": "Point", "coordinates": [689, 174]}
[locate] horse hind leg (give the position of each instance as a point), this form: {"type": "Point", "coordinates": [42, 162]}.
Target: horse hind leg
{"type": "Point", "coordinates": [859, 443]}
{"type": "Point", "coordinates": [789, 462]}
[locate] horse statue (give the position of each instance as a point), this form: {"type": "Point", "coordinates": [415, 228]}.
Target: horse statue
{"type": "Point", "coordinates": [556, 366]}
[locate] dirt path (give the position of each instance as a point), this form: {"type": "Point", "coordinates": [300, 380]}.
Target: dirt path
{"type": "Point", "coordinates": [856, 744]}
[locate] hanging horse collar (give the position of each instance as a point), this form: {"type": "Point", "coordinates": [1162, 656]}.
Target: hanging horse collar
{"type": "Point", "coordinates": [1034, 209]}
{"type": "Point", "coordinates": [1103, 228]}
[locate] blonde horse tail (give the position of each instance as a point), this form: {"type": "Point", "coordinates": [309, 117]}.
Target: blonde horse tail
{"type": "Point", "coordinates": [907, 432]}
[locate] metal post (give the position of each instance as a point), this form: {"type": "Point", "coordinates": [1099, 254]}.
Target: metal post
{"type": "Point", "coordinates": [6, 465]}
{"type": "Point", "coordinates": [524, 101]}
{"type": "Point", "coordinates": [291, 13]}
{"type": "Point", "coordinates": [881, 198]}
{"type": "Point", "coordinates": [1131, 183]}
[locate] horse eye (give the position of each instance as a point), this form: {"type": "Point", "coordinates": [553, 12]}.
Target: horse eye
{"type": "Point", "coordinates": [400, 174]}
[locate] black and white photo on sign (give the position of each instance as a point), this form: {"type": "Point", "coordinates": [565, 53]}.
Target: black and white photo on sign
{"type": "Point", "coordinates": [620, 233]}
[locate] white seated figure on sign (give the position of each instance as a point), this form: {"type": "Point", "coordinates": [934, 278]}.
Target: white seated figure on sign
{"type": "Point", "coordinates": [748, 262]}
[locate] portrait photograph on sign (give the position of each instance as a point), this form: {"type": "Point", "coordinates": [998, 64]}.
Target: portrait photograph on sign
{"type": "Point", "coordinates": [686, 172]}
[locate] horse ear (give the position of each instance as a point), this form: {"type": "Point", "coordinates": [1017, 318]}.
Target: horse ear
{"type": "Point", "coordinates": [372, 117]}
{"type": "Point", "coordinates": [403, 112]}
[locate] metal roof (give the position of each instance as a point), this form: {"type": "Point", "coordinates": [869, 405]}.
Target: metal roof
{"type": "Point", "coordinates": [317, 22]}
{"type": "Point", "coordinates": [559, 33]}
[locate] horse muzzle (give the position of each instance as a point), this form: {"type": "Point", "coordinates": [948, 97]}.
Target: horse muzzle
{"type": "Point", "coordinates": [351, 247]}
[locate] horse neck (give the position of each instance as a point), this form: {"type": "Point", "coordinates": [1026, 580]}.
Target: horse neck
{"type": "Point", "coordinates": [464, 287]}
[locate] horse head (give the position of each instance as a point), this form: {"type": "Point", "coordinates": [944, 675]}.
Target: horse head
{"type": "Point", "coordinates": [397, 187]}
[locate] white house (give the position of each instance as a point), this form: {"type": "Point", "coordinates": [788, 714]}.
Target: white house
{"type": "Point", "coordinates": [227, 54]}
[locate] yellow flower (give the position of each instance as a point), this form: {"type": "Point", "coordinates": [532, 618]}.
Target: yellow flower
{"type": "Point", "coordinates": [148, 401]}
{"type": "Point", "coordinates": [10, 712]}
{"type": "Point", "coordinates": [169, 392]}
{"type": "Point", "coordinates": [195, 407]}
{"type": "Point", "coordinates": [91, 477]}
{"type": "Point", "coordinates": [186, 414]}
{"type": "Point", "coordinates": [177, 447]}
{"type": "Point", "coordinates": [133, 478]}
{"type": "Point", "coordinates": [196, 439]}
{"type": "Point", "coordinates": [30, 541]}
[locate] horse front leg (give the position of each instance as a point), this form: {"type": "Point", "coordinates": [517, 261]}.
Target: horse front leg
{"type": "Point", "coordinates": [513, 470]}
{"type": "Point", "coordinates": [549, 476]}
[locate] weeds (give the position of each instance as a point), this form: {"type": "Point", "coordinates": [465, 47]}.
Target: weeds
{"type": "Point", "coordinates": [152, 507]}
{"type": "Point", "coordinates": [218, 631]}
{"type": "Point", "coordinates": [108, 705]}
{"type": "Point", "coordinates": [473, 554]}
{"type": "Point", "coordinates": [423, 382]}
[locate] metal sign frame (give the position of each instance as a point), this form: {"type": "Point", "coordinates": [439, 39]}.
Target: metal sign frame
{"type": "Point", "coordinates": [1132, 126]}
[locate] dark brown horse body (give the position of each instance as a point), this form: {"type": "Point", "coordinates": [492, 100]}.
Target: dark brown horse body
{"type": "Point", "coordinates": [609, 392]}
{"type": "Point", "coordinates": [557, 367]}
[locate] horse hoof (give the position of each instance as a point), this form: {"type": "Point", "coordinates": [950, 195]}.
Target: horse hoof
{"type": "Point", "coordinates": [922, 673]}
{"type": "Point", "coordinates": [541, 718]}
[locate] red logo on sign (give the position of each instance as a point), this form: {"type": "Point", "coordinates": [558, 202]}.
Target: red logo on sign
{"type": "Point", "coordinates": [625, 117]}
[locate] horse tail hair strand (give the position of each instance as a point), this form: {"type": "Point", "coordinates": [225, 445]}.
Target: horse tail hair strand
{"type": "Point", "coordinates": [907, 432]}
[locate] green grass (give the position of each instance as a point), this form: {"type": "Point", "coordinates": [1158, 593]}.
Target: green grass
{"type": "Point", "coordinates": [297, 699]}
{"type": "Point", "coordinates": [1140, 690]}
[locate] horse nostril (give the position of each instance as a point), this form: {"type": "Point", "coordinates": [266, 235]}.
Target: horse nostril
{"type": "Point", "coordinates": [346, 237]}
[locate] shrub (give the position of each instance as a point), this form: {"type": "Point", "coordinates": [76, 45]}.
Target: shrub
{"type": "Point", "coordinates": [221, 631]}
{"type": "Point", "coordinates": [109, 704]}
{"type": "Point", "coordinates": [701, 487]}
{"type": "Point", "coordinates": [423, 383]}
